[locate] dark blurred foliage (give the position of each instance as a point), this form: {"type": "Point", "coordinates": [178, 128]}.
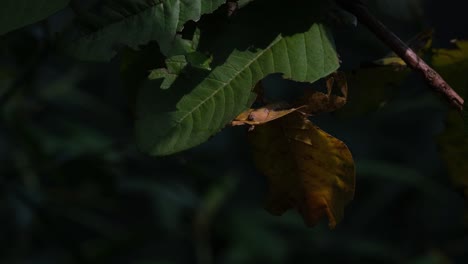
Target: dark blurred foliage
{"type": "Point", "coordinates": [74, 188]}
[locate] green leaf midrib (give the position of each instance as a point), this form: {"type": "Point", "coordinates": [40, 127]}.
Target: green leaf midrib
{"type": "Point", "coordinates": [225, 84]}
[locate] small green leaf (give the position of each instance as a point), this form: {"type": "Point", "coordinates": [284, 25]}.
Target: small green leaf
{"type": "Point", "coordinates": [19, 13]}
{"type": "Point", "coordinates": [174, 65]}
{"type": "Point", "coordinates": [199, 60]}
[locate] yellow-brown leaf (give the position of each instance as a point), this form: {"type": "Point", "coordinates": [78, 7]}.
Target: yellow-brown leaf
{"type": "Point", "coordinates": [454, 150]}
{"type": "Point", "coordinates": [317, 102]}
{"type": "Point", "coordinates": [307, 169]}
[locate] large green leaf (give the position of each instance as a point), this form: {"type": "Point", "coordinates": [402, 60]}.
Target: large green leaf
{"type": "Point", "coordinates": [200, 103]}
{"type": "Point", "coordinates": [19, 13]}
{"type": "Point", "coordinates": [133, 23]}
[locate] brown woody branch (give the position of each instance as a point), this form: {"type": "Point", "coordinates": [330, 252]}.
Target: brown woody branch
{"type": "Point", "coordinates": [435, 81]}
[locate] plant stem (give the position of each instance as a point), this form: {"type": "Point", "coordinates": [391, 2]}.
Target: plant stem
{"type": "Point", "coordinates": [435, 81]}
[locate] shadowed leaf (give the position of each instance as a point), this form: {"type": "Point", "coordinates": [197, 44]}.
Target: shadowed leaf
{"type": "Point", "coordinates": [454, 149]}
{"type": "Point", "coordinates": [452, 64]}
{"type": "Point", "coordinates": [19, 13]}
{"type": "Point", "coordinates": [371, 89]}
{"type": "Point", "coordinates": [176, 64]}
{"type": "Point", "coordinates": [307, 169]}
{"type": "Point", "coordinates": [316, 102]}
{"type": "Point", "coordinates": [133, 23]}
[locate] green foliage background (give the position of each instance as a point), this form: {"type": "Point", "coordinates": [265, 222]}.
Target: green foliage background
{"type": "Point", "coordinates": [75, 189]}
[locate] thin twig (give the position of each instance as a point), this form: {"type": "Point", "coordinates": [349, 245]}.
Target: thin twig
{"type": "Point", "coordinates": [232, 7]}
{"type": "Point", "coordinates": [435, 81]}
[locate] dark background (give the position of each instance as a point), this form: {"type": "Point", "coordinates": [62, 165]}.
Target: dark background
{"type": "Point", "coordinates": [74, 188]}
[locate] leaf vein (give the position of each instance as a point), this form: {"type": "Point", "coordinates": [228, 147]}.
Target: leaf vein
{"type": "Point", "coordinates": [232, 78]}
